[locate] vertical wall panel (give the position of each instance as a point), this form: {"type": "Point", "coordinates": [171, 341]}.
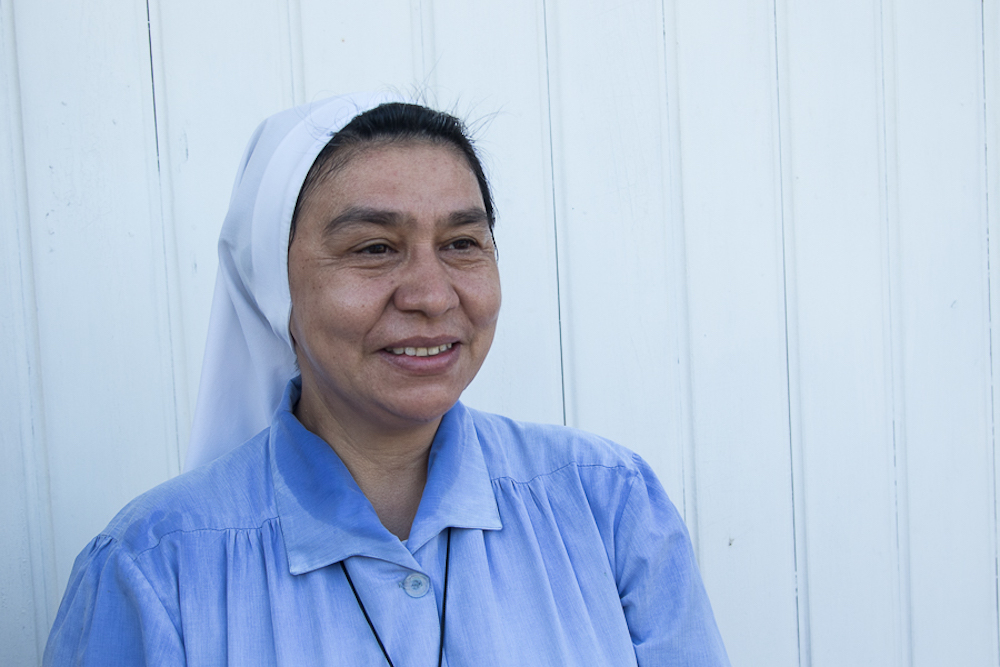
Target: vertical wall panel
{"type": "Point", "coordinates": [27, 581]}
{"type": "Point", "coordinates": [839, 343]}
{"type": "Point", "coordinates": [730, 166]}
{"type": "Point", "coordinates": [105, 363]}
{"type": "Point", "coordinates": [490, 67]}
{"type": "Point", "coordinates": [609, 130]}
{"type": "Point", "coordinates": [205, 116]}
{"type": "Point", "coordinates": [356, 47]}
{"type": "Point", "coordinates": [943, 260]}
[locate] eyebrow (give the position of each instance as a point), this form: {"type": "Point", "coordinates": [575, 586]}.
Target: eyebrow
{"type": "Point", "coordinates": [360, 215]}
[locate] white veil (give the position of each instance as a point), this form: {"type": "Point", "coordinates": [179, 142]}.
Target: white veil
{"type": "Point", "coordinates": [248, 357]}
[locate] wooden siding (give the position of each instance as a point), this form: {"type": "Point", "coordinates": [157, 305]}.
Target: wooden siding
{"type": "Point", "coordinates": [757, 241]}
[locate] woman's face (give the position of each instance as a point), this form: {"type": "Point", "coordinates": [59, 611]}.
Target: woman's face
{"type": "Point", "coordinates": [394, 285]}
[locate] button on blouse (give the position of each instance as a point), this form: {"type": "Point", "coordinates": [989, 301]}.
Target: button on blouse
{"type": "Point", "coordinates": [416, 585]}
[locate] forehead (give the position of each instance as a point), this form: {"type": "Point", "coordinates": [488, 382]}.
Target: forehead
{"type": "Point", "coordinates": [415, 173]}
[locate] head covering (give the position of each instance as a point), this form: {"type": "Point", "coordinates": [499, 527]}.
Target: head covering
{"type": "Point", "coordinates": [249, 357]}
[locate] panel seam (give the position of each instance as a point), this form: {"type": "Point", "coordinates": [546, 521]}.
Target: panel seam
{"type": "Point", "coordinates": [794, 458]}
{"type": "Point", "coordinates": [989, 319]}
{"type": "Point", "coordinates": [163, 195]}
{"type": "Point", "coordinates": [901, 515]}
{"type": "Point", "coordinates": [555, 213]}
{"type": "Point", "coordinates": [678, 236]}
{"type": "Point", "coordinates": [32, 432]}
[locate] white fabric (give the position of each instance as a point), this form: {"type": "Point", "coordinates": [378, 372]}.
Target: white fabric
{"type": "Point", "coordinates": [248, 356]}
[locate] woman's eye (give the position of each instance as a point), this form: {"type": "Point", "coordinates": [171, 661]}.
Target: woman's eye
{"type": "Point", "coordinates": [375, 249]}
{"type": "Point", "coordinates": [462, 244]}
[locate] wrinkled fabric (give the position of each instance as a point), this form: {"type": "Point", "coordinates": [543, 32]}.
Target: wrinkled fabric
{"type": "Point", "coordinates": [565, 551]}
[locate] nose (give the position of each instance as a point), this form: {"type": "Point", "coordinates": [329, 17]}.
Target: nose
{"type": "Point", "coordinates": [425, 285]}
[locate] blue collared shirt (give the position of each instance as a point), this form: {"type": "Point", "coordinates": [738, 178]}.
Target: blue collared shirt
{"type": "Point", "coordinates": [565, 551]}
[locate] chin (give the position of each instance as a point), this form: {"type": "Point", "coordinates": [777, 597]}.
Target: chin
{"type": "Point", "coordinates": [425, 408]}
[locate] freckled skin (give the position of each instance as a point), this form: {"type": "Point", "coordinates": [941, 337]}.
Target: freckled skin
{"type": "Point", "coordinates": [410, 260]}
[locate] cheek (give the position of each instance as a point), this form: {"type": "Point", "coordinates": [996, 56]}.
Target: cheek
{"type": "Point", "coordinates": [484, 300]}
{"type": "Point", "coordinates": [332, 311]}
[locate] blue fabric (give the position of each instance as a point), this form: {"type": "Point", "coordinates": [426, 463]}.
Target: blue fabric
{"type": "Point", "coordinates": [565, 551]}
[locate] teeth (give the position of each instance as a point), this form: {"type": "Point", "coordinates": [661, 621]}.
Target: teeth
{"type": "Point", "coordinates": [420, 351]}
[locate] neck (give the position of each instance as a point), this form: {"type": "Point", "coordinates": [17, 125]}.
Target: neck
{"type": "Point", "coordinates": [389, 465]}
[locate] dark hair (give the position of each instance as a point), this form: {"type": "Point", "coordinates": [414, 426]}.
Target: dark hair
{"type": "Point", "coordinates": [394, 122]}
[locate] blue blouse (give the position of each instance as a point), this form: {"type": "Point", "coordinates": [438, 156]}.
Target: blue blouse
{"type": "Point", "coordinates": [564, 551]}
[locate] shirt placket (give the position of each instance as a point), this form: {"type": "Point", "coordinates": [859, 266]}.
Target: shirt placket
{"type": "Point", "coordinates": [403, 606]}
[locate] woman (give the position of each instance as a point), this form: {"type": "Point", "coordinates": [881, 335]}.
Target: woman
{"type": "Point", "coordinates": [375, 519]}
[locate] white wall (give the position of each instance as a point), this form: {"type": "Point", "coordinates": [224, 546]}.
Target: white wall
{"type": "Point", "coordinates": [755, 240]}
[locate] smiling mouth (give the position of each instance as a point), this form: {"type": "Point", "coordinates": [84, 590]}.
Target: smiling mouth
{"type": "Point", "coordinates": [420, 351]}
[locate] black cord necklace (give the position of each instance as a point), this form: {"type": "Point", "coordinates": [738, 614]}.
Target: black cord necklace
{"type": "Point", "coordinates": [444, 605]}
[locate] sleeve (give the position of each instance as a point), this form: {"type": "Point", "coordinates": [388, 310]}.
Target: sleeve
{"type": "Point", "coordinates": [111, 615]}
{"type": "Point", "coordinates": [669, 617]}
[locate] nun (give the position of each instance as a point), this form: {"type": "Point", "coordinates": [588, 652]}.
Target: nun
{"type": "Point", "coordinates": [342, 507]}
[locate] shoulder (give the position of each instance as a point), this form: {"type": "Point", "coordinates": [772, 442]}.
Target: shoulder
{"type": "Point", "coordinates": [523, 451]}
{"type": "Point", "coordinates": [231, 492]}
{"type": "Point", "coordinates": [125, 584]}
{"type": "Point", "coordinates": [595, 490]}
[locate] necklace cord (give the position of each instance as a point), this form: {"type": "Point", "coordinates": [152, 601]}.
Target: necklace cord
{"type": "Point", "coordinates": [444, 604]}
{"type": "Point", "coordinates": [444, 601]}
{"type": "Point", "coordinates": [365, 612]}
